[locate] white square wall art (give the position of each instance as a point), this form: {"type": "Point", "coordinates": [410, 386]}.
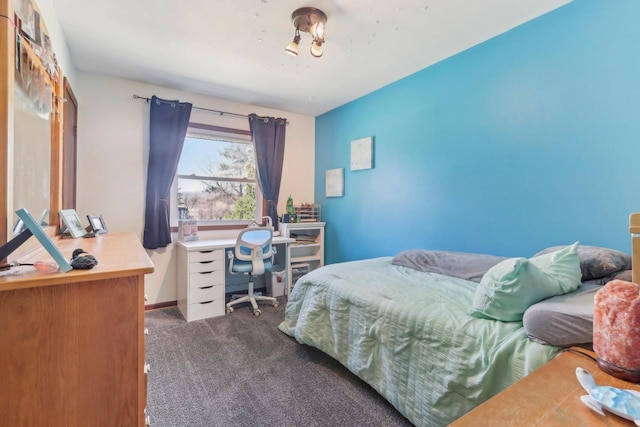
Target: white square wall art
{"type": "Point", "coordinates": [362, 153]}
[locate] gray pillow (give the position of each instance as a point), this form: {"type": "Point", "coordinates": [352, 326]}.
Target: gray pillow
{"type": "Point", "coordinates": [469, 266]}
{"type": "Point", "coordinates": [597, 262]}
{"type": "Point", "coordinates": [625, 275]}
{"type": "Point", "coordinates": [563, 320]}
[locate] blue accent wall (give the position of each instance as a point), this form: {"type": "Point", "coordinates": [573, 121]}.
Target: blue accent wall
{"type": "Point", "coordinates": [527, 140]}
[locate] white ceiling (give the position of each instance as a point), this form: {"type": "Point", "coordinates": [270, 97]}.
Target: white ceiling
{"type": "Point", "coordinates": [234, 49]}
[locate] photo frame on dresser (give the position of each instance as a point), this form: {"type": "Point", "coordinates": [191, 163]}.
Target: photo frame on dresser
{"type": "Point", "coordinates": [44, 239]}
{"type": "Point", "coordinates": [70, 223]}
{"type": "Point", "coordinates": [97, 224]}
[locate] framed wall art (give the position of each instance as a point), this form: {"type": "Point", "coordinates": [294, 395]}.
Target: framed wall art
{"type": "Point", "coordinates": [334, 182]}
{"type": "Point", "coordinates": [362, 153]}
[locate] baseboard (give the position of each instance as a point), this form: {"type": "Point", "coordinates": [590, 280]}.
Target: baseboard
{"type": "Point", "coordinates": [160, 305]}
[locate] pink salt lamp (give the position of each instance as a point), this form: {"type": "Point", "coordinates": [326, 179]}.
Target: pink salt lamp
{"type": "Point", "coordinates": [616, 329]}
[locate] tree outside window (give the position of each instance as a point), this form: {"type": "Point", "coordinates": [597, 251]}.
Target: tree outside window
{"type": "Point", "coordinates": [216, 179]}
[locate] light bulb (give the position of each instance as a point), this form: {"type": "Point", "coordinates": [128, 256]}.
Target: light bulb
{"type": "Point", "coordinates": [320, 30]}
{"type": "Point", "coordinates": [292, 49]}
{"type": "Point", "coordinates": [316, 49]}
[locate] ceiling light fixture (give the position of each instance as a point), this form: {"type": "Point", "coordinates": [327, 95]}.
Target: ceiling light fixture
{"type": "Point", "coordinates": [309, 20]}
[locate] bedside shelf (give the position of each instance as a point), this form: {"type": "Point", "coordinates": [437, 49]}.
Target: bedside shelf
{"type": "Point", "coordinates": [304, 259]}
{"type": "Point", "coordinates": [307, 253]}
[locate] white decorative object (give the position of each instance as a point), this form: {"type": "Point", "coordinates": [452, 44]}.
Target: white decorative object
{"type": "Point", "coordinates": [362, 153]}
{"type": "Point", "coordinates": [334, 186]}
{"type": "Point", "coordinates": [622, 402]}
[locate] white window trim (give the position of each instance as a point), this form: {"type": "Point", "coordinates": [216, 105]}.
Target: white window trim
{"type": "Point", "coordinates": [215, 136]}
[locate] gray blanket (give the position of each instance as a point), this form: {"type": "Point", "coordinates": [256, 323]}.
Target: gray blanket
{"type": "Point", "coordinates": [463, 265]}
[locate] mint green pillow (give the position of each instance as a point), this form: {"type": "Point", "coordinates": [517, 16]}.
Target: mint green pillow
{"type": "Point", "coordinates": [510, 287]}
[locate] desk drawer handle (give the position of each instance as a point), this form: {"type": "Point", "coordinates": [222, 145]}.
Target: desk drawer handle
{"type": "Point", "coordinates": [206, 302]}
{"type": "Point", "coordinates": [206, 262]}
{"type": "Point", "coordinates": [206, 287]}
{"type": "Point", "coordinates": [206, 272]}
{"type": "Point", "coordinates": [205, 252]}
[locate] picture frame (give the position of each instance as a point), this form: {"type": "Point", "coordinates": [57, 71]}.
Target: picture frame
{"type": "Point", "coordinates": [19, 227]}
{"type": "Point", "coordinates": [334, 182]}
{"type": "Point", "coordinates": [362, 153]}
{"type": "Point", "coordinates": [44, 239]}
{"type": "Point", "coordinates": [27, 14]}
{"type": "Point", "coordinates": [97, 224]}
{"type": "Point", "coordinates": [70, 222]}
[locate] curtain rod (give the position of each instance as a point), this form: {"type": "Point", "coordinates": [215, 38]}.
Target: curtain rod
{"type": "Point", "coordinates": [222, 113]}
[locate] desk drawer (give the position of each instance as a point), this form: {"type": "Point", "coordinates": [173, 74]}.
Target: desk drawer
{"type": "Point", "coordinates": [206, 278]}
{"type": "Point", "coordinates": [206, 309]}
{"type": "Point", "coordinates": [205, 266]}
{"type": "Point", "coordinates": [198, 294]}
{"type": "Point", "coordinates": [211, 255]}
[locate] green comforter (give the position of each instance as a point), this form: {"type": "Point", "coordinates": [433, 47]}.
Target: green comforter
{"type": "Point", "coordinates": [407, 334]}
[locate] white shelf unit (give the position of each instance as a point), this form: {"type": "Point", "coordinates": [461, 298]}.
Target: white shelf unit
{"type": "Point", "coordinates": [307, 252]}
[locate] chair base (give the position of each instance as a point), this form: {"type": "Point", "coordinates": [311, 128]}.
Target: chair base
{"type": "Point", "coordinates": [253, 299]}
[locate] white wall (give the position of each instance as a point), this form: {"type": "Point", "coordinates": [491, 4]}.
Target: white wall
{"type": "Point", "coordinates": [113, 131]}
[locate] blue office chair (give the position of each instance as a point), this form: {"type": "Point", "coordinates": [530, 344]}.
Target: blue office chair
{"type": "Point", "coordinates": [253, 256]}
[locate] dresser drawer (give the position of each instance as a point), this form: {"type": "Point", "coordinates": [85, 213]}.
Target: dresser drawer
{"type": "Point", "coordinates": [206, 278]}
{"type": "Point", "coordinates": [205, 266]}
{"type": "Point", "coordinates": [199, 256]}
{"type": "Point", "coordinates": [203, 293]}
{"type": "Point", "coordinates": [205, 310]}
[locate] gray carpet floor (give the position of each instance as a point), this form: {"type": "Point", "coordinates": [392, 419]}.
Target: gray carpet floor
{"type": "Point", "coordinates": [240, 370]}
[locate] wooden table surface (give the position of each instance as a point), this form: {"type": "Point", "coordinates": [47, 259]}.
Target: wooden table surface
{"type": "Point", "coordinates": [550, 396]}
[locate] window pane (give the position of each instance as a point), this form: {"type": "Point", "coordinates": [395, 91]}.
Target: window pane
{"type": "Point", "coordinates": [215, 158]}
{"type": "Point", "coordinates": [216, 179]}
{"type": "Point", "coordinates": [216, 200]}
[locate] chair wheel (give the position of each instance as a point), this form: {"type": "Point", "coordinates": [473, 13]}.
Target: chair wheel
{"type": "Point", "coordinates": [276, 304]}
{"type": "Point", "coordinates": [229, 310]}
{"type": "Point", "coordinates": [257, 313]}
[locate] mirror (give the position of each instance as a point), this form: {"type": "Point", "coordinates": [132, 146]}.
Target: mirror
{"type": "Point", "coordinates": [31, 120]}
{"type": "Point", "coordinates": [31, 161]}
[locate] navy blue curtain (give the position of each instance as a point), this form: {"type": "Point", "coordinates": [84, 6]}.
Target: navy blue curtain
{"type": "Point", "coordinates": [267, 135]}
{"type": "Point", "coordinates": [167, 130]}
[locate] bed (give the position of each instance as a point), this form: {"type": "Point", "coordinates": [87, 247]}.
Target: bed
{"type": "Point", "coordinates": [405, 328]}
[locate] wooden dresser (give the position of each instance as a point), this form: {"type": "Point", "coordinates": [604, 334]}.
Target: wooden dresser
{"type": "Point", "coordinates": [72, 350]}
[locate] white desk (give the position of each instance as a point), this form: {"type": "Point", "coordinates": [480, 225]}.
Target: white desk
{"type": "Point", "coordinates": [203, 278]}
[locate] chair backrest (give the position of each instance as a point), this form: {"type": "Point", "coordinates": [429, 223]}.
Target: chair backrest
{"type": "Point", "coordinates": [254, 245]}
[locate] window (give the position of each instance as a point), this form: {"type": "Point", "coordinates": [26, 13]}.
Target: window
{"type": "Point", "coordinates": [216, 179]}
